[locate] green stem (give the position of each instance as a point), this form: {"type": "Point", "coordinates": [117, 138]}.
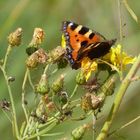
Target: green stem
{"type": "Point", "coordinates": [46, 68]}
{"type": "Point", "coordinates": [6, 56]}
{"type": "Point", "coordinates": [44, 130]}
{"type": "Point", "coordinates": [120, 20]}
{"type": "Point", "coordinates": [125, 125]}
{"type": "Point", "coordinates": [74, 91]}
{"type": "Point", "coordinates": [12, 103]}
{"type": "Point", "coordinates": [119, 96]}
{"type": "Point", "coordinates": [30, 80]}
{"type": "Point", "coordinates": [121, 34]}
{"type": "Point", "coordinates": [23, 95]}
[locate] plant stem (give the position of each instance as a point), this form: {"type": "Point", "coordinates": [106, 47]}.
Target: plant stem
{"type": "Point", "coordinates": [121, 33]}
{"type": "Point", "coordinates": [119, 96]}
{"type": "Point", "coordinates": [120, 20]}
{"type": "Point", "coordinates": [6, 56]}
{"type": "Point", "coordinates": [12, 103]}
{"type": "Point", "coordinates": [30, 80]}
{"type": "Point", "coordinates": [46, 68]}
{"type": "Point", "coordinates": [125, 125]}
{"type": "Point", "coordinates": [44, 130]}
{"type": "Point", "coordinates": [74, 91]}
{"type": "Point", "coordinates": [23, 95]}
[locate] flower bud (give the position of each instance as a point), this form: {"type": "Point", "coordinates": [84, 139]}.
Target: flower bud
{"type": "Point", "coordinates": [91, 102]}
{"type": "Point", "coordinates": [32, 61]}
{"type": "Point", "coordinates": [56, 54]}
{"type": "Point", "coordinates": [41, 112]}
{"type": "Point", "coordinates": [42, 87]}
{"type": "Point", "coordinates": [86, 103]}
{"type": "Point", "coordinates": [108, 87]}
{"type": "Point", "coordinates": [57, 85]}
{"type": "Point", "coordinates": [80, 78]}
{"type": "Point", "coordinates": [79, 132]}
{"type": "Point", "coordinates": [40, 56]}
{"type": "Point", "coordinates": [14, 39]}
{"type": "Point", "coordinates": [38, 37]}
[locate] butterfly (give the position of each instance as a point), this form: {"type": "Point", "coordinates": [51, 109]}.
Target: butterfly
{"type": "Point", "coordinates": [82, 42]}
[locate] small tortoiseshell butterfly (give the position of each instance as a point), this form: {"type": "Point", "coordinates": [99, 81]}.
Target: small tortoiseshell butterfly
{"type": "Point", "coordinates": [82, 42]}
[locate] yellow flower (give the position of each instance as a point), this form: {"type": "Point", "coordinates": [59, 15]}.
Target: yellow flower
{"type": "Point", "coordinates": [118, 58]}
{"type": "Point", "coordinates": [63, 42]}
{"type": "Point", "coordinates": [88, 66]}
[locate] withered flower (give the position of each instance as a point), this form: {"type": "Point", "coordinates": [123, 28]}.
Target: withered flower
{"type": "Point", "coordinates": [14, 38]}
{"type": "Point", "coordinates": [38, 37]}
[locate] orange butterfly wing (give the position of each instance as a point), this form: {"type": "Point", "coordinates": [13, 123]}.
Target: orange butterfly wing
{"type": "Point", "coordinates": [81, 42]}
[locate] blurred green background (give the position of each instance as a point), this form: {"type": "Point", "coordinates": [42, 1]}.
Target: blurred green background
{"type": "Point", "coordinates": [99, 15]}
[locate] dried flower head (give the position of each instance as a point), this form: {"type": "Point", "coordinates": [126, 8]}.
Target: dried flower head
{"type": "Point", "coordinates": [14, 39]}
{"type": "Point", "coordinates": [38, 37]}
{"type": "Point", "coordinates": [42, 55]}
{"type": "Point", "coordinates": [39, 56]}
{"type": "Point", "coordinates": [56, 54]}
{"type": "Point", "coordinates": [91, 102]}
{"type": "Point", "coordinates": [32, 61]}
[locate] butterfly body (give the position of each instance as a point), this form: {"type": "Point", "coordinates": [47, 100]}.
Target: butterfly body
{"type": "Point", "coordinates": [82, 42]}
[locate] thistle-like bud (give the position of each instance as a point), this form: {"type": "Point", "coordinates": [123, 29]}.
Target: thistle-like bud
{"type": "Point", "coordinates": [32, 61]}
{"type": "Point", "coordinates": [41, 112]}
{"type": "Point", "coordinates": [42, 87]}
{"type": "Point", "coordinates": [56, 54]}
{"type": "Point", "coordinates": [86, 103]}
{"type": "Point", "coordinates": [14, 38]}
{"type": "Point", "coordinates": [40, 56]}
{"type": "Point", "coordinates": [37, 39]}
{"type": "Point", "coordinates": [79, 132]}
{"type": "Point", "coordinates": [80, 78]}
{"type": "Point", "coordinates": [57, 85]}
{"type": "Point", "coordinates": [91, 102]}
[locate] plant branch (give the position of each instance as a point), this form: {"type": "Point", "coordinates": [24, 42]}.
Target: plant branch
{"type": "Point", "coordinates": [125, 125]}
{"type": "Point", "coordinates": [44, 130]}
{"type": "Point", "coordinates": [119, 96]}
{"type": "Point", "coordinates": [23, 95]}
{"type": "Point", "coordinates": [12, 102]}
{"type": "Point", "coordinates": [6, 56]}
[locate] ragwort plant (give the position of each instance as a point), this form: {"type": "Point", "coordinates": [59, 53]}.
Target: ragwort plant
{"type": "Point", "coordinates": [54, 104]}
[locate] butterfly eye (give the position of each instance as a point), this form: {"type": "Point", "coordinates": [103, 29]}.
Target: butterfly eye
{"type": "Point", "coordinates": [77, 40]}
